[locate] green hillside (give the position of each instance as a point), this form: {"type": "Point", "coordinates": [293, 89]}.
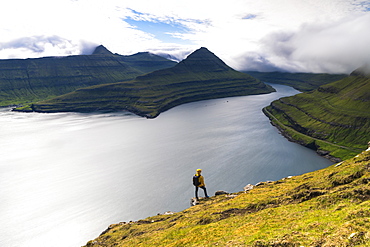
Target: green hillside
{"type": "Point", "coordinates": [329, 207]}
{"type": "Point", "coordinates": [29, 80]}
{"type": "Point", "coordinates": [333, 118]}
{"type": "Point", "coordinates": [200, 76]}
{"type": "Point", "coordinates": [303, 82]}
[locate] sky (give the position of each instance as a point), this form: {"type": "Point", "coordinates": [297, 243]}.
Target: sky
{"type": "Point", "coordinates": [318, 36]}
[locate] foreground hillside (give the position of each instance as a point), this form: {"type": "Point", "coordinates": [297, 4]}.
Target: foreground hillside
{"type": "Point", "coordinates": [329, 207]}
{"type": "Point", "coordinates": [334, 119]}
{"type": "Point", "coordinates": [202, 75]}
{"type": "Point", "coordinates": [29, 80]}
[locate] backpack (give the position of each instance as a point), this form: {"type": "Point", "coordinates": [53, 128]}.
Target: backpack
{"type": "Point", "coordinates": [196, 180]}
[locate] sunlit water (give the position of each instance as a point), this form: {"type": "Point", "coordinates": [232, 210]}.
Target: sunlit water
{"type": "Point", "coordinates": [65, 177]}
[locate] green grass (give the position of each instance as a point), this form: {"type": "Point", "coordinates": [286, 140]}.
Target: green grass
{"type": "Point", "coordinates": [199, 77]}
{"type": "Point", "coordinates": [335, 117]}
{"type": "Point", "coordinates": [329, 207]}
{"type": "Point", "coordinates": [25, 81]}
{"type": "Point", "coordinates": [303, 82]}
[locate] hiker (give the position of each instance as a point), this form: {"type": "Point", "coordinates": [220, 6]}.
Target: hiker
{"type": "Point", "coordinates": [198, 181]}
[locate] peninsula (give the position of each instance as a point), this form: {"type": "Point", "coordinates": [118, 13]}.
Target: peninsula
{"type": "Point", "coordinates": [202, 75]}
{"type": "Point", "coordinates": [334, 119]}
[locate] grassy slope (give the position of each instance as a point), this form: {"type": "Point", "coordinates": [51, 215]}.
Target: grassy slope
{"type": "Point", "coordinates": [303, 82]}
{"type": "Point", "coordinates": [336, 113]}
{"type": "Point", "coordinates": [147, 62]}
{"type": "Point", "coordinates": [329, 207]}
{"type": "Point", "coordinates": [29, 80]}
{"type": "Point", "coordinates": [201, 76]}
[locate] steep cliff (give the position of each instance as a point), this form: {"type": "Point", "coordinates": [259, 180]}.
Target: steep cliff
{"type": "Point", "coordinates": [334, 118]}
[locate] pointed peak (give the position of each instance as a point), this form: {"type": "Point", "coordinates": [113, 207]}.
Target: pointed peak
{"type": "Point", "coordinates": [101, 50]}
{"type": "Point", "coordinates": [201, 52]}
{"type": "Point", "coordinates": [204, 60]}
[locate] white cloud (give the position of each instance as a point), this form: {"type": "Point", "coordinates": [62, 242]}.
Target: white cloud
{"type": "Point", "coordinates": [230, 29]}
{"type": "Point", "coordinates": [336, 47]}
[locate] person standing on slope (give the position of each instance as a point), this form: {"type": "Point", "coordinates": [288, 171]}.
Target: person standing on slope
{"type": "Point", "coordinates": [198, 181]}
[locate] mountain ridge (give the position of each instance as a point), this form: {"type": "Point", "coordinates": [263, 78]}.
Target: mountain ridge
{"type": "Point", "coordinates": [303, 82]}
{"type": "Point", "coordinates": [202, 75]}
{"type": "Point", "coordinates": [35, 79]}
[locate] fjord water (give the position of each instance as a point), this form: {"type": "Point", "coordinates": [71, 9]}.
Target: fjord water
{"type": "Point", "coordinates": [65, 177]}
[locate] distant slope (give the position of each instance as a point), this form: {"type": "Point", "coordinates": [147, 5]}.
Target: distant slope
{"type": "Point", "coordinates": [329, 207]}
{"type": "Point", "coordinates": [148, 62]}
{"type": "Point", "coordinates": [301, 81]}
{"type": "Point", "coordinates": [202, 75]}
{"type": "Point", "coordinates": [28, 80]}
{"type": "Point", "coordinates": [335, 117]}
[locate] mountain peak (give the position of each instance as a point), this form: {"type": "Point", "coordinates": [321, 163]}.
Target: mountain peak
{"type": "Point", "coordinates": [363, 71]}
{"type": "Point", "coordinates": [203, 60]}
{"type": "Point", "coordinates": [101, 50]}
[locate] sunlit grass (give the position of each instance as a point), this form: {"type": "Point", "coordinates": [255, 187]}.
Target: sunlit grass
{"type": "Point", "coordinates": [329, 207]}
{"type": "Point", "coordinates": [334, 118]}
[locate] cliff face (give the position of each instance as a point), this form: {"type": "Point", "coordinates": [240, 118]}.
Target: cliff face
{"type": "Point", "coordinates": [335, 117]}
{"type": "Point", "coordinates": [329, 207]}
{"type": "Point", "coordinates": [200, 76]}
{"type": "Point", "coordinates": [25, 80]}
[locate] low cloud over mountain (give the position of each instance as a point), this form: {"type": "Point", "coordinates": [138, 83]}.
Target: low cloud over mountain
{"type": "Point", "coordinates": [337, 47]}
{"type": "Point", "coordinates": [305, 36]}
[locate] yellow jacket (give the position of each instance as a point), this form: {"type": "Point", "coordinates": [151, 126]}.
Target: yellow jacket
{"type": "Point", "coordinates": [201, 180]}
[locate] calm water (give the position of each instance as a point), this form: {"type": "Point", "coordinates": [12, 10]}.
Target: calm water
{"type": "Point", "coordinates": [65, 177]}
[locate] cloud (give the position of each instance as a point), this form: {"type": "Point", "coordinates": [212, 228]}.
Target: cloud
{"type": "Point", "coordinates": [264, 34]}
{"type": "Point", "coordinates": [33, 46]}
{"type": "Point", "coordinates": [335, 47]}
{"type": "Point", "coordinates": [253, 61]}
{"type": "Point", "coordinates": [174, 52]}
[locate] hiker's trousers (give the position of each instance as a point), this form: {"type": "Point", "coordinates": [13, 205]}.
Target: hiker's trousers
{"type": "Point", "coordinates": [204, 189]}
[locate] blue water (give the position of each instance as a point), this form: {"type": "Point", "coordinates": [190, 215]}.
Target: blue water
{"type": "Point", "coordinates": [65, 177]}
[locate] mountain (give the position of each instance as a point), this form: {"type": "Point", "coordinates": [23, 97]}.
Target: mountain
{"type": "Point", "coordinates": [303, 82]}
{"type": "Point", "coordinates": [148, 62]}
{"type": "Point", "coordinates": [328, 207]}
{"type": "Point", "coordinates": [28, 80]}
{"type": "Point", "coordinates": [202, 75]}
{"type": "Point", "coordinates": [333, 119]}
{"type": "Point", "coordinates": [363, 71]}
{"type": "Point", "coordinates": [102, 50]}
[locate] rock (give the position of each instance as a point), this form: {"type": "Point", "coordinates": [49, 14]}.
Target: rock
{"type": "Point", "coordinates": [193, 201]}
{"type": "Point", "coordinates": [322, 152]}
{"type": "Point", "coordinates": [339, 164]}
{"type": "Point", "coordinates": [248, 187]}
{"type": "Point", "coordinates": [287, 177]}
{"type": "Point", "coordinates": [221, 192]}
{"type": "Point", "coordinates": [263, 183]}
